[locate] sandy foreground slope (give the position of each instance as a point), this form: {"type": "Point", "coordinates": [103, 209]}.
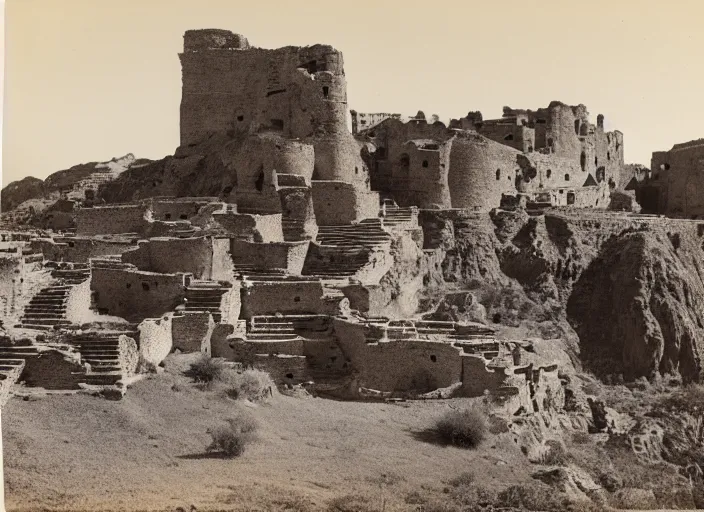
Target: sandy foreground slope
{"type": "Point", "coordinates": [147, 452]}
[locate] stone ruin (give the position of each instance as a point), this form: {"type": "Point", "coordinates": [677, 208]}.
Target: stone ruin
{"type": "Point", "coordinates": [277, 238]}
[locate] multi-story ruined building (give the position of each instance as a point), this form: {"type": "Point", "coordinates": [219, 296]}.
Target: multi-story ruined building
{"type": "Point", "coordinates": [675, 182]}
{"type": "Point", "coordinates": [552, 155]}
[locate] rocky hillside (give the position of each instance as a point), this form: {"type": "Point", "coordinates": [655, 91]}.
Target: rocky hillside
{"type": "Point", "coordinates": [624, 294]}
{"type": "Point", "coordinates": [75, 180]}
{"type": "Point", "coordinates": [17, 192]}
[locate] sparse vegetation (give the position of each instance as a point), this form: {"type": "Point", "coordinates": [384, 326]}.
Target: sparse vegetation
{"type": "Point", "coordinates": [464, 428]}
{"type": "Point", "coordinates": [251, 385]}
{"type": "Point", "coordinates": [232, 439]}
{"type": "Point", "coordinates": [207, 370]}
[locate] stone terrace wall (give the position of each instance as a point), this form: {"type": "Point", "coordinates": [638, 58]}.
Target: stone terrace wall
{"type": "Point", "coordinates": [111, 219]}
{"type": "Point", "coordinates": [173, 255]}
{"type": "Point", "coordinates": [136, 295]}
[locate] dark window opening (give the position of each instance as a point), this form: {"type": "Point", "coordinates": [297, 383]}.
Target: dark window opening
{"type": "Point", "coordinates": [433, 358]}
{"type": "Point", "coordinates": [570, 198]}
{"type": "Point", "coordinates": [240, 118]}
{"type": "Point", "coordinates": [498, 174]}
{"type": "Point", "coordinates": [550, 142]}
{"type": "Point", "coordinates": [567, 177]}
{"type": "Point", "coordinates": [583, 161]}
{"type": "Point", "coordinates": [608, 155]}
{"type": "Point", "coordinates": [548, 173]}
{"type": "Point", "coordinates": [90, 193]}
{"type": "Point", "coordinates": [596, 160]}
{"type": "Point", "coordinates": [530, 149]}
{"type": "Point", "coordinates": [277, 91]}
{"type": "Point", "coordinates": [541, 121]}
{"type": "Point", "coordinates": [665, 167]}
{"type": "Point", "coordinates": [183, 216]}
{"type": "Point", "coordinates": [167, 216]}
{"type": "Point", "coordinates": [356, 170]}
{"type": "Point", "coordinates": [425, 163]}
{"type": "Point", "coordinates": [226, 191]}
{"type": "Point", "coordinates": [277, 124]}
{"type": "Point", "coordinates": [326, 91]}
{"type": "Point", "coordinates": [145, 287]}
{"type": "Point", "coordinates": [576, 126]}
{"type": "Point", "coordinates": [129, 285]}
{"type": "Point", "coordinates": [289, 375]}
{"type": "Point", "coordinates": [508, 137]}
{"type": "Point", "coordinates": [259, 183]}
{"type": "Point", "coordinates": [405, 163]}
{"type": "Point", "coordinates": [71, 244]}
{"type": "Point", "coordinates": [296, 299]}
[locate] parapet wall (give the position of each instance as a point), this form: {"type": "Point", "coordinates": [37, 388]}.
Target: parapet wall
{"type": "Point", "coordinates": [288, 256]}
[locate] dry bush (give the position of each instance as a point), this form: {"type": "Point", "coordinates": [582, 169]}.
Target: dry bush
{"type": "Point", "coordinates": [466, 428]}
{"type": "Point", "coordinates": [533, 496]}
{"type": "Point", "coordinates": [556, 455]}
{"type": "Point", "coordinates": [251, 385]}
{"type": "Point", "coordinates": [207, 370]}
{"type": "Point", "coordinates": [352, 503]}
{"type": "Point", "coordinates": [232, 438]}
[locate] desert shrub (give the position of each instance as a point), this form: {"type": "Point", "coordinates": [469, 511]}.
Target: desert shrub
{"type": "Point", "coordinates": [466, 428]}
{"type": "Point", "coordinates": [581, 438]}
{"type": "Point", "coordinates": [249, 384]}
{"type": "Point", "coordinates": [232, 438]}
{"type": "Point", "coordinates": [207, 369]}
{"type": "Point", "coordinates": [556, 455]}
{"type": "Point", "coordinates": [466, 478]}
{"type": "Point", "coordinates": [352, 503]}
{"type": "Point", "coordinates": [688, 399]}
{"type": "Point", "coordinates": [533, 496]}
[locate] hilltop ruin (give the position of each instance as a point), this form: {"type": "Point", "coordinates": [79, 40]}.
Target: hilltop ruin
{"type": "Point", "coordinates": [353, 264]}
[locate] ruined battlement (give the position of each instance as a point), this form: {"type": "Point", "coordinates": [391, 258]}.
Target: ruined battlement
{"type": "Point", "coordinates": [213, 39]}
{"type": "Point", "coordinates": [297, 92]}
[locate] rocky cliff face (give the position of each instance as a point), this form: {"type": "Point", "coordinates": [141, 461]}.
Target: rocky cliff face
{"type": "Point", "coordinates": [623, 293]}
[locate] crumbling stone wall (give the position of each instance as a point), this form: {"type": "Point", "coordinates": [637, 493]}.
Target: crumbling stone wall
{"type": "Point", "coordinates": [191, 332]}
{"type": "Point", "coordinates": [275, 255]}
{"type": "Point", "coordinates": [134, 294]}
{"type": "Point", "coordinates": [285, 297]}
{"type": "Point", "coordinates": [79, 249]}
{"type": "Point", "coordinates": [337, 202]}
{"type": "Point", "coordinates": [252, 228]}
{"type": "Point", "coordinates": [182, 208]}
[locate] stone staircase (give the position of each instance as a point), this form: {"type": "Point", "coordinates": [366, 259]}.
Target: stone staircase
{"type": "Point", "coordinates": [284, 327]}
{"type": "Point", "coordinates": [397, 217]}
{"type": "Point", "coordinates": [47, 308]}
{"type": "Point", "coordinates": [205, 296]}
{"type": "Point", "coordinates": [100, 350]}
{"type": "Point", "coordinates": [368, 233]}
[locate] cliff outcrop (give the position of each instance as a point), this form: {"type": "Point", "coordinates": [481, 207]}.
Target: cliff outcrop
{"type": "Point", "coordinates": [624, 294]}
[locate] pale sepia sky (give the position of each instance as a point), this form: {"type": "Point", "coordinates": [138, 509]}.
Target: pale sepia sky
{"type": "Point", "coordinates": [87, 80]}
